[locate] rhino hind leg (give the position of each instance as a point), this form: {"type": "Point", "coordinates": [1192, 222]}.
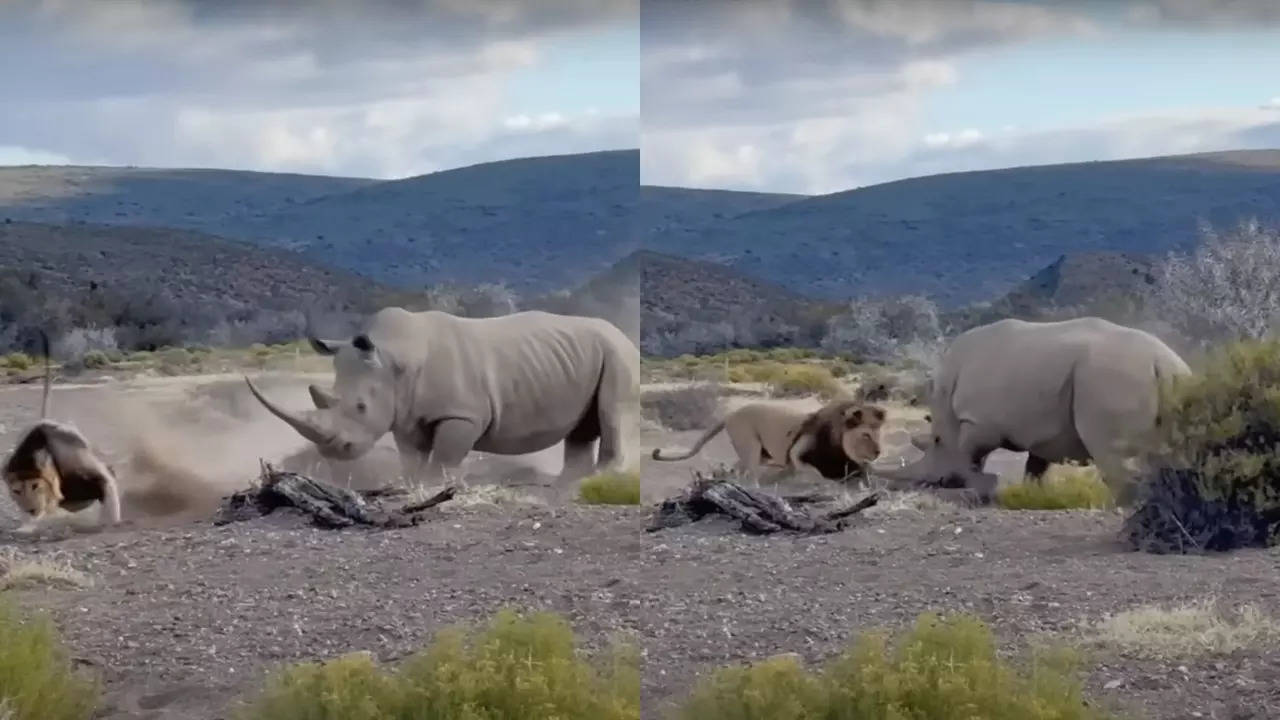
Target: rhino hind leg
{"type": "Point", "coordinates": [579, 459]}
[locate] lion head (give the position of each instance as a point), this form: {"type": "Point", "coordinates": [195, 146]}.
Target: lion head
{"type": "Point", "coordinates": [36, 492]}
{"type": "Point", "coordinates": [859, 432]}
{"type": "Point", "coordinates": [842, 436]}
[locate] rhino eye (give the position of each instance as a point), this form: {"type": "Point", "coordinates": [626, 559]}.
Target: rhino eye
{"type": "Point", "coordinates": [360, 407]}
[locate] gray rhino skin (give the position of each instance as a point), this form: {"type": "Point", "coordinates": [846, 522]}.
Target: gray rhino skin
{"type": "Point", "coordinates": [444, 385]}
{"type": "Point", "coordinates": [1076, 390]}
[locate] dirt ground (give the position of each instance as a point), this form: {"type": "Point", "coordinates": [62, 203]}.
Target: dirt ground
{"type": "Point", "coordinates": [183, 617]}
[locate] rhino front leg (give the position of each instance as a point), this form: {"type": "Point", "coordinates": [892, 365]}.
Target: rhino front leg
{"type": "Point", "coordinates": [453, 439]}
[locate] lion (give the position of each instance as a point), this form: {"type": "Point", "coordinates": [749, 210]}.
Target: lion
{"type": "Point", "coordinates": [54, 467]}
{"type": "Point", "coordinates": [838, 440]}
{"type": "Point", "coordinates": [768, 434]}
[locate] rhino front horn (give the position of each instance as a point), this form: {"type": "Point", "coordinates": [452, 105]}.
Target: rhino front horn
{"type": "Point", "coordinates": [305, 428]}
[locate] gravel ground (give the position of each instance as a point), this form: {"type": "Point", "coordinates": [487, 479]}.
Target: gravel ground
{"type": "Point", "coordinates": [184, 618]}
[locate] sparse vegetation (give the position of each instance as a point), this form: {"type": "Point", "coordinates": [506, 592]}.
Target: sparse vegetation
{"type": "Point", "coordinates": [943, 669]}
{"type": "Point", "coordinates": [1215, 483]}
{"type": "Point", "coordinates": [794, 379]}
{"type": "Point", "coordinates": [37, 679]}
{"type": "Point", "coordinates": [1068, 486]}
{"type": "Point", "coordinates": [1226, 289]}
{"type": "Point", "coordinates": [610, 488]}
{"type": "Point", "coordinates": [17, 571]}
{"type": "Point", "coordinates": [1187, 630]}
{"type": "Point", "coordinates": [688, 408]}
{"type": "Point", "coordinates": [515, 668]}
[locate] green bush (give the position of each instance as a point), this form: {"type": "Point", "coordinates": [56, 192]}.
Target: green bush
{"type": "Point", "coordinates": [610, 488]}
{"type": "Point", "coordinates": [37, 680]}
{"type": "Point", "coordinates": [804, 379]}
{"type": "Point", "coordinates": [944, 669]}
{"type": "Point", "coordinates": [17, 361]}
{"type": "Point", "coordinates": [516, 668]}
{"type": "Point", "coordinates": [1063, 487]}
{"type": "Point", "coordinates": [95, 359]}
{"type": "Point", "coordinates": [1215, 480]}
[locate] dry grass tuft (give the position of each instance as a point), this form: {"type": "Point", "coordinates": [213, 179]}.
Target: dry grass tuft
{"type": "Point", "coordinates": [610, 488]}
{"type": "Point", "coordinates": [1063, 487]}
{"type": "Point", "coordinates": [18, 572]}
{"type": "Point", "coordinates": [893, 503]}
{"type": "Point", "coordinates": [1192, 629]}
{"type": "Point", "coordinates": [689, 408]}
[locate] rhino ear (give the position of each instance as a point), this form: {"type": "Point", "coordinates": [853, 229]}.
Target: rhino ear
{"type": "Point", "coordinates": [322, 399]}
{"type": "Point", "coordinates": [325, 347]}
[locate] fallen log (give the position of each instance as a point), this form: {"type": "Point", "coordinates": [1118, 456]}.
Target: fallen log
{"type": "Point", "coordinates": [328, 505]}
{"type": "Point", "coordinates": [758, 512]}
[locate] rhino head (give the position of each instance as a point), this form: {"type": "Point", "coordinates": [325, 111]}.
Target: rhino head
{"type": "Point", "coordinates": [361, 408]}
{"type": "Point", "coordinates": [942, 465]}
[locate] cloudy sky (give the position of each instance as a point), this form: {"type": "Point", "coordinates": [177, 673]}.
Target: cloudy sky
{"type": "Point", "coordinates": [815, 96]}
{"type": "Point", "coordinates": [380, 88]}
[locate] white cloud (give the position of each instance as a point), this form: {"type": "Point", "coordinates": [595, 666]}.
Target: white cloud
{"type": "Point", "coordinates": [818, 91]}
{"type": "Point", "coordinates": [838, 94]}
{"type": "Point", "coordinates": [961, 139]}
{"type": "Point", "coordinates": [14, 155]}
{"type": "Point", "coordinates": [1272, 104]}
{"type": "Point", "coordinates": [382, 88]}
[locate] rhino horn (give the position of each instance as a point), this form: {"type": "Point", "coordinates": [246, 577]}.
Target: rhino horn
{"type": "Point", "coordinates": [305, 428]}
{"type": "Point", "coordinates": [323, 400]}
{"type": "Point", "coordinates": [908, 476]}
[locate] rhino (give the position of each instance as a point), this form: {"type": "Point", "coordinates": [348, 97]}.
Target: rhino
{"type": "Point", "coordinates": [1078, 390]}
{"type": "Point", "coordinates": [444, 385]}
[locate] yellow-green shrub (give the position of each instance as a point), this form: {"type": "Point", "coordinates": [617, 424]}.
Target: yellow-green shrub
{"type": "Point", "coordinates": [37, 680]}
{"type": "Point", "coordinates": [17, 361]}
{"type": "Point", "coordinates": [516, 668]}
{"type": "Point", "coordinates": [805, 379]}
{"type": "Point", "coordinates": [1063, 487]}
{"type": "Point", "coordinates": [1215, 483]}
{"type": "Point", "coordinates": [944, 669]}
{"type": "Point", "coordinates": [95, 359]}
{"type": "Point", "coordinates": [610, 488]}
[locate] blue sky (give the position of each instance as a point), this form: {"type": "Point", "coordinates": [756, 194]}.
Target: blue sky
{"type": "Point", "coordinates": [812, 97]}
{"type": "Point", "coordinates": [1120, 72]}
{"type": "Point", "coordinates": [381, 88]}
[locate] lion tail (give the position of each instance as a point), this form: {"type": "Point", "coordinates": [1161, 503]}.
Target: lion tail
{"type": "Point", "coordinates": [706, 437]}
{"type": "Point", "coordinates": [48, 375]}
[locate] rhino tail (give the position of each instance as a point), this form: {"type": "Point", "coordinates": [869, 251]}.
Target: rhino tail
{"type": "Point", "coordinates": [1165, 376]}
{"type": "Point", "coordinates": [706, 437]}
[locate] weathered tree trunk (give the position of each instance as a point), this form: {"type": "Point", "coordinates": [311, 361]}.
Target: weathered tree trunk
{"type": "Point", "coordinates": [757, 511]}
{"type": "Point", "coordinates": [328, 505]}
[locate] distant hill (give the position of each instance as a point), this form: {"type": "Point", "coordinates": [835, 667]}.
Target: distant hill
{"type": "Point", "coordinates": [218, 201]}
{"type": "Point", "coordinates": [689, 306]}
{"type": "Point", "coordinates": [164, 286]}
{"type": "Point", "coordinates": [537, 224]}
{"type": "Point", "coordinates": [968, 237]}
{"type": "Point", "coordinates": [671, 211]}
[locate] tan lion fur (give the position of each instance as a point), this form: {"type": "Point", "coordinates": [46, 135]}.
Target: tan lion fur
{"type": "Point", "coordinates": [767, 434]}
{"type": "Point", "coordinates": [54, 467]}
{"type": "Point", "coordinates": [839, 439]}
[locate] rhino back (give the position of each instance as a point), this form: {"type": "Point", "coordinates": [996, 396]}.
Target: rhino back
{"type": "Point", "coordinates": [519, 373]}
{"type": "Point", "coordinates": [1019, 376]}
